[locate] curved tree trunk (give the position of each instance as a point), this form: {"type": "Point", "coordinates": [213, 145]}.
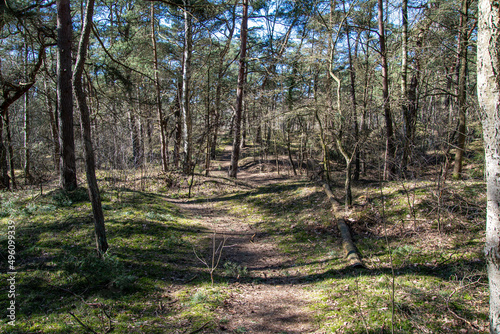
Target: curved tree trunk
{"type": "Point", "coordinates": [95, 198]}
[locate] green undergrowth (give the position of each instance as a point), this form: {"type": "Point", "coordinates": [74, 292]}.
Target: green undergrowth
{"type": "Point", "coordinates": [421, 243]}
{"type": "Point", "coordinates": [148, 281]}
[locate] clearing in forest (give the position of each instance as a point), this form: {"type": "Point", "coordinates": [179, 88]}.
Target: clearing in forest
{"type": "Point", "coordinates": [257, 255]}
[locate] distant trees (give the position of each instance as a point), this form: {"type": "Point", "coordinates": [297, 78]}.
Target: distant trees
{"type": "Point", "coordinates": [21, 23]}
{"type": "Point", "coordinates": [162, 83]}
{"type": "Point", "coordinates": [161, 79]}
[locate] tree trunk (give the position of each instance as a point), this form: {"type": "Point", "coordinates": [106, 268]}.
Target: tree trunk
{"type": "Point", "coordinates": [26, 139]}
{"type": "Point", "coordinates": [352, 91]}
{"type": "Point", "coordinates": [95, 198]}
{"type": "Point", "coordinates": [350, 249]}
{"type": "Point", "coordinates": [134, 137]}
{"type": "Point", "coordinates": [404, 95]}
{"type": "Point", "coordinates": [220, 76]}
{"type": "Point", "coordinates": [178, 126]}
{"type": "Point", "coordinates": [208, 126]}
{"type": "Point", "coordinates": [163, 137]}
{"type": "Point", "coordinates": [186, 77]}
{"type": "Point", "coordinates": [462, 77]}
{"type": "Point", "coordinates": [4, 169]}
{"type": "Point", "coordinates": [53, 126]}
{"type": "Point", "coordinates": [389, 168]}
{"type": "Point", "coordinates": [11, 151]}
{"type": "Point", "coordinates": [488, 83]}
{"type": "Point", "coordinates": [235, 156]}
{"type": "Point", "coordinates": [65, 96]}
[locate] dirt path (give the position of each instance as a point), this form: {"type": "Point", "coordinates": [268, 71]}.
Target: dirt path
{"type": "Point", "coordinates": [267, 300]}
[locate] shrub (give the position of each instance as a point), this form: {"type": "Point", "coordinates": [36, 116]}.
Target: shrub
{"type": "Point", "coordinates": [108, 270]}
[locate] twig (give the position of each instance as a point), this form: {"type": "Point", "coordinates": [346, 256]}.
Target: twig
{"type": "Point", "coordinates": [92, 305]}
{"type": "Point", "coordinates": [199, 329]}
{"type": "Point", "coordinates": [214, 262]}
{"type": "Point", "coordinates": [81, 323]}
{"type": "Point", "coordinates": [452, 312]}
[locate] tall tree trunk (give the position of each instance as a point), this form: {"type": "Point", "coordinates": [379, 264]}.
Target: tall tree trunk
{"type": "Point", "coordinates": [134, 136]}
{"type": "Point", "coordinates": [11, 151]}
{"type": "Point", "coordinates": [178, 126]}
{"type": "Point", "coordinates": [163, 136]}
{"type": "Point", "coordinates": [488, 83]}
{"type": "Point", "coordinates": [65, 96]}
{"type": "Point", "coordinates": [390, 150]}
{"type": "Point", "coordinates": [4, 167]}
{"type": "Point", "coordinates": [26, 139]}
{"type": "Point", "coordinates": [462, 77]}
{"type": "Point", "coordinates": [95, 198]}
{"type": "Point", "coordinates": [208, 126]}
{"type": "Point", "coordinates": [53, 126]}
{"type": "Point", "coordinates": [186, 77]}
{"type": "Point", "coordinates": [235, 156]}
{"type": "Point", "coordinates": [352, 76]}
{"type": "Point", "coordinates": [404, 95]}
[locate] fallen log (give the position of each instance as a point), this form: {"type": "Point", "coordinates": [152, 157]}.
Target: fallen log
{"type": "Point", "coordinates": [350, 250]}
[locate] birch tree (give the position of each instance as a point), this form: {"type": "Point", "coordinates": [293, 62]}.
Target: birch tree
{"type": "Point", "coordinates": [488, 85]}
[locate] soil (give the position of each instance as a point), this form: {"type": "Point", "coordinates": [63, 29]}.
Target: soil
{"type": "Point", "coordinates": [269, 300]}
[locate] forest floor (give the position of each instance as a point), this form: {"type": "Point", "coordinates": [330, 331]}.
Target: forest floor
{"type": "Point", "coordinates": [261, 254]}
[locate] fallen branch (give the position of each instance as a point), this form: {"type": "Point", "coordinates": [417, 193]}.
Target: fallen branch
{"type": "Point", "coordinates": [350, 250]}
{"type": "Point", "coordinates": [81, 323]}
{"type": "Point", "coordinates": [200, 329]}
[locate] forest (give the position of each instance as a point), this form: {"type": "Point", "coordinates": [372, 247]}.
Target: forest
{"type": "Point", "coordinates": [226, 166]}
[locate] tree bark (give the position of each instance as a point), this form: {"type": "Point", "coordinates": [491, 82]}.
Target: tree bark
{"type": "Point", "coordinates": [134, 136]}
{"type": "Point", "coordinates": [27, 130]}
{"type": "Point", "coordinates": [350, 250]}
{"type": "Point", "coordinates": [389, 167]}
{"type": "Point", "coordinates": [11, 151]}
{"type": "Point", "coordinates": [186, 77]}
{"type": "Point", "coordinates": [222, 69]}
{"type": "Point", "coordinates": [488, 84]}
{"type": "Point", "coordinates": [235, 156]}
{"type": "Point", "coordinates": [163, 137]}
{"type": "Point", "coordinates": [404, 80]}
{"type": "Point", "coordinates": [462, 91]}
{"type": "Point", "coordinates": [95, 198]}
{"type": "Point", "coordinates": [178, 125]}
{"type": "Point", "coordinates": [4, 167]}
{"type": "Point", "coordinates": [53, 126]}
{"type": "Point", "coordinates": [65, 96]}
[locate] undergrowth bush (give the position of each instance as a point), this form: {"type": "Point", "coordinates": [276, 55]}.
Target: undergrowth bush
{"type": "Point", "coordinates": [63, 198]}
{"type": "Point", "coordinates": [108, 270]}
